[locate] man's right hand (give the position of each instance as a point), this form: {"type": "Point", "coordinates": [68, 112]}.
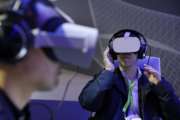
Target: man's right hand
{"type": "Point", "coordinates": [38, 12]}
{"type": "Point", "coordinates": [108, 61]}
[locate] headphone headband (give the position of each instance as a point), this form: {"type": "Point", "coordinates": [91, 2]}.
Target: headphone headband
{"type": "Point", "coordinates": [129, 33]}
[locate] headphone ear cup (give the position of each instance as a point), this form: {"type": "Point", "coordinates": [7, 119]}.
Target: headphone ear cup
{"type": "Point", "coordinates": [140, 54]}
{"type": "Point", "coordinates": [112, 53]}
{"type": "Point", "coordinates": [143, 48]}
{"type": "Point", "coordinates": [16, 38]}
{"type": "Point", "coordinates": [142, 51]}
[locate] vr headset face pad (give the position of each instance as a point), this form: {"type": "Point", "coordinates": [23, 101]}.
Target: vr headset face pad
{"type": "Point", "coordinates": [126, 45]}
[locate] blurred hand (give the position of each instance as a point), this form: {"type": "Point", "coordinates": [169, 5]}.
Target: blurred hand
{"type": "Point", "coordinates": [44, 13]}
{"type": "Point", "coordinates": [153, 75]}
{"type": "Point", "coordinates": [38, 12]}
{"type": "Point", "coordinates": [108, 61]}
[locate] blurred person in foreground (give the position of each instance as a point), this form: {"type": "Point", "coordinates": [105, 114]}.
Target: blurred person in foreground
{"type": "Point", "coordinates": [29, 61]}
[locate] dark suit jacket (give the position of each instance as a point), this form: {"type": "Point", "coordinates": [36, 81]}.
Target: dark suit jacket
{"type": "Point", "coordinates": [107, 93]}
{"type": "Point", "coordinates": [8, 110]}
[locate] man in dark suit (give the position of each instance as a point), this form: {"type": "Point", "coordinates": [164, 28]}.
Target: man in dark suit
{"type": "Point", "coordinates": [128, 92]}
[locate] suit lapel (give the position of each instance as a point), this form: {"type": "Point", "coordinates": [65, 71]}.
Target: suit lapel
{"type": "Point", "coordinates": [120, 83]}
{"type": "Point", "coordinates": [144, 88]}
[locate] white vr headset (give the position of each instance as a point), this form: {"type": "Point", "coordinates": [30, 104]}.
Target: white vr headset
{"type": "Point", "coordinates": [70, 43]}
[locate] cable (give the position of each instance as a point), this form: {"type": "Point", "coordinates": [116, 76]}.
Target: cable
{"type": "Point", "coordinates": [67, 87]}
{"type": "Point", "coordinates": [53, 113]}
{"type": "Point", "coordinates": [148, 62]}
{"type": "Point", "coordinates": [59, 106]}
{"type": "Point", "coordinates": [92, 13]}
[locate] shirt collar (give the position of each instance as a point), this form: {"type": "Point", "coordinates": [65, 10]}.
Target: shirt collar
{"type": "Point", "coordinates": [138, 75]}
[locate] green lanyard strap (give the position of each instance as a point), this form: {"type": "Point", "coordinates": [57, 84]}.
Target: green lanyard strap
{"type": "Point", "coordinates": [130, 97]}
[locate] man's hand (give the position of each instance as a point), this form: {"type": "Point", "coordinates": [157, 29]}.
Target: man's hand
{"type": "Point", "coordinates": [108, 61]}
{"type": "Point", "coordinates": [38, 12]}
{"type": "Point", "coordinates": [153, 75]}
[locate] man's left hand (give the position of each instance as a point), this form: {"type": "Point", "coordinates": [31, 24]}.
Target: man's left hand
{"type": "Point", "coordinates": [153, 75]}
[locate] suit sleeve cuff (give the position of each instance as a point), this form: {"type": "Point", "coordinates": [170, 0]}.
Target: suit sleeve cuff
{"type": "Point", "coordinates": [163, 90]}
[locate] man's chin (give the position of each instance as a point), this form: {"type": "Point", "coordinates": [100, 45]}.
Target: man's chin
{"type": "Point", "coordinates": [48, 87]}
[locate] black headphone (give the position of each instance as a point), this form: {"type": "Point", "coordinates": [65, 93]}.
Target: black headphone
{"type": "Point", "coordinates": [15, 37]}
{"type": "Point", "coordinates": [133, 33]}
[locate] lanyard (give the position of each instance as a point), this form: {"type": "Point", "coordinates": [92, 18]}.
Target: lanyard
{"type": "Point", "coordinates": [130, 97]}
